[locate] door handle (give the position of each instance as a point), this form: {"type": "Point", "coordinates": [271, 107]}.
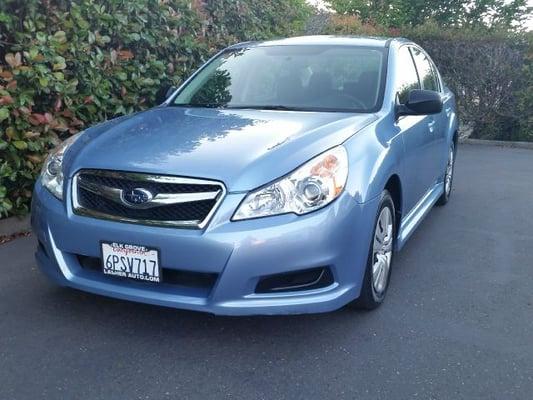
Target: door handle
{"type": "Point", "coordinates": [448, 111]}
{"type": "Point", "coordinates": [431, 126]}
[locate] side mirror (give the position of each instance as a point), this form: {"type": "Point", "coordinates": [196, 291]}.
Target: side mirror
{"type": "Point", "coordinates": [420, 102]}
{"type": "Point", "coordinates": [164, 93]}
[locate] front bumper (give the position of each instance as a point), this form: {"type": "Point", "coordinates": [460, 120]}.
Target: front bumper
{"type": "Point", "coordinates": [239, 253]}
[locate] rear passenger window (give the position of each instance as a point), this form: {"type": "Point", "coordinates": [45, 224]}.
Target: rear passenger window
{"type": "Point", "coordinates": [407, 77]}
{"type": "Point", "coordinates": [426, 71]}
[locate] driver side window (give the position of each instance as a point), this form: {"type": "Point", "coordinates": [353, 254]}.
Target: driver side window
{"type": "Point", "coordinates": [428, 75]}
{"type": "Point", "coordinates": [407, 79]}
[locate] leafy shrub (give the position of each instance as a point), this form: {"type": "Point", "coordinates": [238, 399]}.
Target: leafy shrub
{"type": "Point", "coordinates": [525, 96]}
{"type": "Point", "coordinates": [345, 24]}
{"type": "Point", "coordinates": [485, 14]}
{"type": "Point", "coordinates": [65, 65]}
{"type": "Point", "coordinates": [233, 21]}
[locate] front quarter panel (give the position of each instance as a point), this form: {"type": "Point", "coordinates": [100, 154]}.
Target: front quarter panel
{"type": "Point", "coordinates": [374, 156]}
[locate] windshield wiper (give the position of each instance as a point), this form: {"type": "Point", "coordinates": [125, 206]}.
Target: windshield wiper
{"type": "Point", "coordinates": [269, 107]}
{"type": "Point", "coordinates": [199, 105]}
{"type": "Point", "coordinates": [243, 107]}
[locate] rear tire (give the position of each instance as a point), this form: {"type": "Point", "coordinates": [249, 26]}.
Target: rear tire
{"type": "Point", "coordinates": [448, 177]}
{"type": "Point", "coordinates": [380, 257]}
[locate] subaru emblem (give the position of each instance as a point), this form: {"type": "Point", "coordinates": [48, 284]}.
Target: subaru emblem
{"type": "Point", "coordinates": [136, 197]}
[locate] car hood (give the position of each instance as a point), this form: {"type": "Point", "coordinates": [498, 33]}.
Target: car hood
{"type": "Point", "coordinates": [242, 148]}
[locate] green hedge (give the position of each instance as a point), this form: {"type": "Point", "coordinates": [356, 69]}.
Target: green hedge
{"type": "Point", "coordinates": [65, 65]}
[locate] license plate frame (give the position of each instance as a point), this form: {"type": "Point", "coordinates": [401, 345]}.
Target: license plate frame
{"type": "Point", "coordinates": [130, 266]}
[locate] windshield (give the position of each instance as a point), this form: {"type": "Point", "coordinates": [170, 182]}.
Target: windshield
{"type": "Point", "coordinates": [308, 77]}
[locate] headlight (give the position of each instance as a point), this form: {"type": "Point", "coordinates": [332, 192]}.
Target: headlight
{"type": "Point", "coordinates": [310, 187]}
{"type": "Point", "coordinates": [52, 172]}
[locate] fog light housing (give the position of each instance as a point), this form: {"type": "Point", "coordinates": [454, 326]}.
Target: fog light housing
{"type": "Point", "coordinates": [296, 281]}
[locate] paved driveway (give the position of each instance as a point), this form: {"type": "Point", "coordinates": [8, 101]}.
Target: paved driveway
{"type": "Point", "coordinates": [458, 322]}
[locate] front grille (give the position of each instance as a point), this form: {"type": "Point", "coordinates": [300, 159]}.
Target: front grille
{"type": "Point", "coordinates": [171, 201]}
{"type": "Point", "coordinates": [196, 211]}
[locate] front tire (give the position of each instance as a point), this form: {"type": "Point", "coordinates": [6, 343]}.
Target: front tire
{"type": "Point", "coordinates": [379, 264]}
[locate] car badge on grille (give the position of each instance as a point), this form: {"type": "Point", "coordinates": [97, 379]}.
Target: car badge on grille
{"type": "Point", "coordinates": [136, 197]}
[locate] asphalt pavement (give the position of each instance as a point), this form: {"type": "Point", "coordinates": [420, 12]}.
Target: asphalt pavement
{"type": "Point", "coordinates": [457, 322]}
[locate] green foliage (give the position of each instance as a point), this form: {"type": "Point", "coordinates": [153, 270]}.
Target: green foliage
{"type": "Point", "coordinates": [65, 65]}
{"type": "Point", "coordinates": [401, 13]}
{"type": "Point", "coordinates": [233, 21]}
{"type": "Point", "coordinates": [524, 96]}
{"type": "Point", "coordinates": [341, 24]}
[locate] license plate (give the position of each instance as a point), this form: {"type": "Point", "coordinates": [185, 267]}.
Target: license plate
{"type": "Point", "coordinates": [131, 261]}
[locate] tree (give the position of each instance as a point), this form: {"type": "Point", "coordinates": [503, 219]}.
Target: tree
{"type": "Point", "coordinates": [476, 13]}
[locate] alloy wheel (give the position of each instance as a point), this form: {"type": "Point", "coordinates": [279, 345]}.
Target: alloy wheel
{"type": "Point", "coordinates": [382, 251]}
{"type": "Point", "coordinates": [449, 173]}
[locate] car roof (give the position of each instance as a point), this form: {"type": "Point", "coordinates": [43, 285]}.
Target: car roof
{"type": "Point", "coordinates": [328, 40]}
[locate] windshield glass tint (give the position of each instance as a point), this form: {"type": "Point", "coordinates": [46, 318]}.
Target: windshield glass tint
{"type": "Point", "coordinates": [338, 78]}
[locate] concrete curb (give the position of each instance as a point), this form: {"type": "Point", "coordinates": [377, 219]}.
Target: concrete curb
{"type": "Point", "coordinates": [501, 143]}
{"type": "Point", "coordinates": [13, 225]}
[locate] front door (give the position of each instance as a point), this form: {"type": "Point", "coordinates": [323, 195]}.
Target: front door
{"type": "Point", "coordinates": [418, 133]}
{"type": "Point", "coordinates": [437, 123]}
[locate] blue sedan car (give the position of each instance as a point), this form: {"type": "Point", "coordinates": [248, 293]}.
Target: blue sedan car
{"type": "Point", "coordinates": [280, 178]}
